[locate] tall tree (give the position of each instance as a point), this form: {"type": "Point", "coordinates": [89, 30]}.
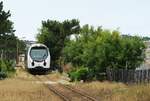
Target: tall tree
{"type": "Point", "coordinates": [6, 26]}
{"type": "Point", "coordinates": [7, 38]}
{"type": "Point", "coordinates": [54, 34]}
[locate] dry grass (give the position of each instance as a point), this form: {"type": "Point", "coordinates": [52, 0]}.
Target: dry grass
{"type": "Point", "coordinates": [54, 76]}
{"type": "Point", "coordinates": [67, 67]}
{"type": "Point", "coordinates": [106, 91]}
{"type": "Point", "coordinates": [23, 74]}
{"type": "Point", "coordinates": [21, 90]}
{"type": "Point", "coordinates": [23, 87]}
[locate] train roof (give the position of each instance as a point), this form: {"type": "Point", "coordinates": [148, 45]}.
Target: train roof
{"type": "Point", "coordinates": [38, 45]}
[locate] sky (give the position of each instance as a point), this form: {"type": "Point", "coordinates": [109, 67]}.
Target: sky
{"type": "Point", "coordinates": [129, 16]}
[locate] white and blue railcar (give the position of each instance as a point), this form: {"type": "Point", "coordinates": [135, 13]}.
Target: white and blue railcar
{"type": "Point", "coordinates": [38, 58]}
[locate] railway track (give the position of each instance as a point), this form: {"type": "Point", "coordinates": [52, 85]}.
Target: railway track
{"type": "Point", "coordinates": [67, 93]}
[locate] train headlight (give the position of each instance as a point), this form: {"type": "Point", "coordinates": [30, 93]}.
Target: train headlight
{"type": "Point", "coordinates": [44, 63]}
{"type": "Point", "coordinates": [32, 63]}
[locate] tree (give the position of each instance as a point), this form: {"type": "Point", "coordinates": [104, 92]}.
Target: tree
{"type": "Point", "coordinates": [8, 40]}
{"type": "Point", "coordinates": [6, 26]}
{"type": "Point", "coordinates": [55, 34]}
{"type": "Point", "coordinates": [7, 37]}
{"type": "Point", "coordinates": [146, 38]}
{"type": "Point", "coordinates": [7, 43]}
{"type": "Point", "coordinates": [100, 49]}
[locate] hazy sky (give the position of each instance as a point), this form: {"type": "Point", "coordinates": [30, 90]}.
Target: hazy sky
{"type": "Point", "coordinates": [131, 16]}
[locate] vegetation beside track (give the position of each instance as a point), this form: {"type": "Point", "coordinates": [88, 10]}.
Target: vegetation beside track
{"type": "Point", "coordinates": [24, 87]}
{"type": "Point", "coordinates": [111, 91]}
{"type": "Point", "coordinates": [24, 90]}
{"type": "Point", "coordinates": [6, 68]}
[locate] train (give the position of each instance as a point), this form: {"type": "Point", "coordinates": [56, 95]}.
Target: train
{"type": "Point", "coordinates": [38, 58]}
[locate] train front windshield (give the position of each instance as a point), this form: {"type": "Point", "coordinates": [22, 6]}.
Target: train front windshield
{"type": "Point", "coordinates": [38, 53]}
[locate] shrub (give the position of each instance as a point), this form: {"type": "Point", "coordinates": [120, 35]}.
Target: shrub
{"type": "Point", "coordinates": [3, 66]}
{"type": "Point", "coordinates": [3, 75]}
{"type": "Point", "coordinates": [6, 68]}
{"type": "Point", "coordinates": [79, 74]}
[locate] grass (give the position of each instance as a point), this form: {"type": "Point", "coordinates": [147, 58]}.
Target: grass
{"type": "Point", "coordinates": [21, 90]}
{"type": "Point", "coordinates": [23, 87]}
{"type": "Point", "coordinates": [106, 91]}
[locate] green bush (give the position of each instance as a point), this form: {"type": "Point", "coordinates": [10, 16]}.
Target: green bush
{"type": "Point", "coordinates": [3, 75]}
{"type": "Point", "coordinates": [79, 74]}
{"type": "Point", "coordinates": [6, 68]}
{"type": "Point", "coordinates": [10, 66]}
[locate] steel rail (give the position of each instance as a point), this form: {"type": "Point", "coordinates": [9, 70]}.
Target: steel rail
{"type": "Point", "coordinates": [81, 93]}
{"type": "Point", "coordinates": [51, 88]}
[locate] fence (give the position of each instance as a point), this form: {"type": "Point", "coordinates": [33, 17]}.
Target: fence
{"type": "Point", "coordinates": [128, 76]}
